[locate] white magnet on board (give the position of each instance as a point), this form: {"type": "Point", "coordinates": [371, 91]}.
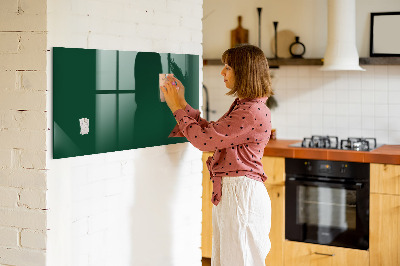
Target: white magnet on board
{"type": "Point", "coordinates": [84, 123]}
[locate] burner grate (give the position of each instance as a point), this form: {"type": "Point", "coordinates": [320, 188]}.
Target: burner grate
{"type": "Point", "coordinates": [327, 142]}
{"type": "Point", "coordinates": [358, 144]}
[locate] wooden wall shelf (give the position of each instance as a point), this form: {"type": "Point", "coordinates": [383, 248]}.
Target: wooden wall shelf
{"type": "Point", "coordinates": [380, 61]}
{"type": "Point", "coordinates": [274, 63]}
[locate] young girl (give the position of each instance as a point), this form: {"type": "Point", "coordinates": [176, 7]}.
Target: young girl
{"type": "Point", "coordinates": [241, 214]}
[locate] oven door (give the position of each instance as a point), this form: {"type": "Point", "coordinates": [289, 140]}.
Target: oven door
{"type": "Point", "coordinates": [327, 213]}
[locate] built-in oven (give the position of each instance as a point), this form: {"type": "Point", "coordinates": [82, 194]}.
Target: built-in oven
{"type": "Point", "coordinates": [327, 202]}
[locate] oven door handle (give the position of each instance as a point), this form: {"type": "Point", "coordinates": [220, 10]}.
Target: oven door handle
{"type": "Point", "coordinates": [357, 185]}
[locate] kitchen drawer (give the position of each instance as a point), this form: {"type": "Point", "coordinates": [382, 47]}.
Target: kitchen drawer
{"type": "Point", "coordinates": [305, 254]}
{"type": "Point", "coordinates": [385, 178]}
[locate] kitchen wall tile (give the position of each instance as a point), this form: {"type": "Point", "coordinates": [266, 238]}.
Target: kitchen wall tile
{"type": "Point", "coordinates": [342, 109]}
{"type": "Point", "coordinates": [354, 80]}
{"type": "Point", "coordinates": [381, 123]}
{"type": "Point", "coordinates": [317, 95]}
{"type": "Point", "coordinates": [394, 123]}
{"type": "Point", "coordinates": [355, 96]}
{"type": "Point", "coordinates": [381, 97]}
{"type": "Point", "coordinates": [292, 95]}
{"type": "Point", "coordinates": [291, 71]}
{"type": "Point", "coordinates": [342, 122]}
{"type": "Point", "coordinates": [380, 84]}
{"type": "Point", "coordinates": [367, 110]}
{"type": "Point", "coordinates": [342, 133]}
{"type": "Point", "coordinates": [328, 74]}
{"type": "Point", "coordinates": [367, 96]}
{"type": "Point", "coordinates": [304, 109]}
{"type": "Point", "coordinates": [394, 110]}
{"type": "Point", "coordinates": [342, 80]}
{"type": "Point", "coordinates": [278, 71]}
{"type": "Point", "coordinates": [342, 96]}
{"type": "Point", "coordinates": [291, 133]}
{"type": "Point", "coordinates": [304, 82]}
{"type": "Point", "coordinates": [393, 71]}
{"type": "Point", "coordinates": [381, 136]}
{"type": "Point", "coordinates": [394, 137]}
{"type": "Point", "coordinates": [369, 71]}
{"type": "Point", "coordinates": [331, 131]}
{"type": "Point", "coordinates": [304, 131]}
{"type": "Point", "coordinates": [315, 72]}
{"type": "Point", "coordinates": [278, 83]}
{"type": "Point", "coordinates": [317, 107]}
{"type": "Point", "coordinates": [317, 121]}
{"type": "Point", "coordinates": [367, 133]}
{"type": "Point", "coordinates": [355, 109]}
{"type": "Point", "coordinates": [304, 72]}
{"type": "Point", "coordinates": [394, 82]}
{"type": "Point", "coordinates": [355, 132]}
{"type": "Point", "coordinates": [317, 131]}
{"type": "Point", "coordinates": [355, 122]}
{"type": "Point", "coordinates": [293, 120]}
{"type": "Point", "coordinates": [305, 95]}
{"type": "Point", "coordinates": [329, 93]}
{"type": "Point", "coordinates": [367, 122]}
{"type": "Point", "coordinates": [292, 83]}
{"type": "Point", "coordinates": [316, 82]}
{"type": "Point", "coordinates": [367, 83]}
{"type": "Point", "coordinates": [394, 97]}
{"type": "Point", "coordinates": [380, 71]}
{"type": "Point", "coordinates": [381, 110]}
{"type": "Point", "coordinates": [329, 122]}
{"type": "Point", "coordinates": [329, 109]}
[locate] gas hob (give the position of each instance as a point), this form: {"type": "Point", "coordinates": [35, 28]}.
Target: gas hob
{"type": "Point", "coordinates": [332, 142]}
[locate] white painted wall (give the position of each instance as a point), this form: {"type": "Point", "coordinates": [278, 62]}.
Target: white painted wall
{"type": "Point", "coordinates": [311, 102]}
{"type": "Point", "coordinates": [305, 18]}
{"type": "Point", "coordinates": [23, 133]}
{"type": "Point", "coordinates": [135, 207]}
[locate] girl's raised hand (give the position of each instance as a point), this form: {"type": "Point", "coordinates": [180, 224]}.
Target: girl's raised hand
{"type": "Point", "coordinates": [171, 95]}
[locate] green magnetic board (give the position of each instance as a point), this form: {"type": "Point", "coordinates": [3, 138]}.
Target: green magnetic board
{"type": "Point", "coordinates": [117, 93]}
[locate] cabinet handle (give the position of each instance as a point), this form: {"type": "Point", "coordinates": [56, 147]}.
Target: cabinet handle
{"type": "Point", "coordinates": [324, 254]}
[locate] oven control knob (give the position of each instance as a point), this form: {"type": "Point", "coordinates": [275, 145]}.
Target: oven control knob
{"type": "Point", "coordinates": [308, 166]}
{"type": "Point", "coordinates": [343, 168]}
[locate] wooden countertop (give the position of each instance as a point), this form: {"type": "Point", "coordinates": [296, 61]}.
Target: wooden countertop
{"type": "Point", "coordinates": [389, 154]}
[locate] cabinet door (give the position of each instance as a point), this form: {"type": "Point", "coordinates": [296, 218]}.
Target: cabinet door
{"type": "Point", "coordinates": [385, 178]}
{"type": "Point", "coordinates": [305, 254]}
{"type": "Point", "coordinates": [384, 229]}
{"type": "Point", "coordinates": [277, 233]}
{"type": "Point", "coordinates": [206, 232]}
{"type": "Point", "coordinates": [274, 168]}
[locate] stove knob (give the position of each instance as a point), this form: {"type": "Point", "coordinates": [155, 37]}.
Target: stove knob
{"type": "Point", "coordinates": [308, 166]}
{"type": "Point", "coordinates": [343, 168]}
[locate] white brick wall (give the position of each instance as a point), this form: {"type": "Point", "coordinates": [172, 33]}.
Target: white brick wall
{"type": "Point", "coordinates": [23, 124]}
{"type": "Point", "coordinates": [135, 207]}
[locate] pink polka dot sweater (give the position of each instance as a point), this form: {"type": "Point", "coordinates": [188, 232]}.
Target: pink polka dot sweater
{"type": "Point", "coordinates": [238, 139]}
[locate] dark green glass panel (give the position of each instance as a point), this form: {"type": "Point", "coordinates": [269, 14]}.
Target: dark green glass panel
{"type": "Point", "coordinates": [118, 92]}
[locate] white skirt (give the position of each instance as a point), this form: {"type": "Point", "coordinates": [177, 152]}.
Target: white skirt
{"type": "Point", "coordinates": [241, 223]}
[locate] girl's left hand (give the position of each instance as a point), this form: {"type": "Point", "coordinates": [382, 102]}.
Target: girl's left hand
{"type": "Point", "coordinates": [171, 95]}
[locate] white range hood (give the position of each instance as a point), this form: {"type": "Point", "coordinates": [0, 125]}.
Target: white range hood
{"type": "Point", "coordinates": [341, 51]}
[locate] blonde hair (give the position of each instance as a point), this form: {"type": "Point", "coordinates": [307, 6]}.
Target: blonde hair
{"type": "Point", "coordinates": [250, 66]}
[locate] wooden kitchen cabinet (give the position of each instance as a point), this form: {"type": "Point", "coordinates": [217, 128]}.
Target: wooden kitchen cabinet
{"type": "Point", "coordinates": [385, 215]}
{"type": "Point", "coordinates": [274, 168]}
{"type": "Point", "coordinates": [277, 233]}
{"type": "Point", "coordinates": [206, 232]}
{"type": "Point", "coordinates": [385, 178]}
{"type": "Point", "coordinates": [306, 254]}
